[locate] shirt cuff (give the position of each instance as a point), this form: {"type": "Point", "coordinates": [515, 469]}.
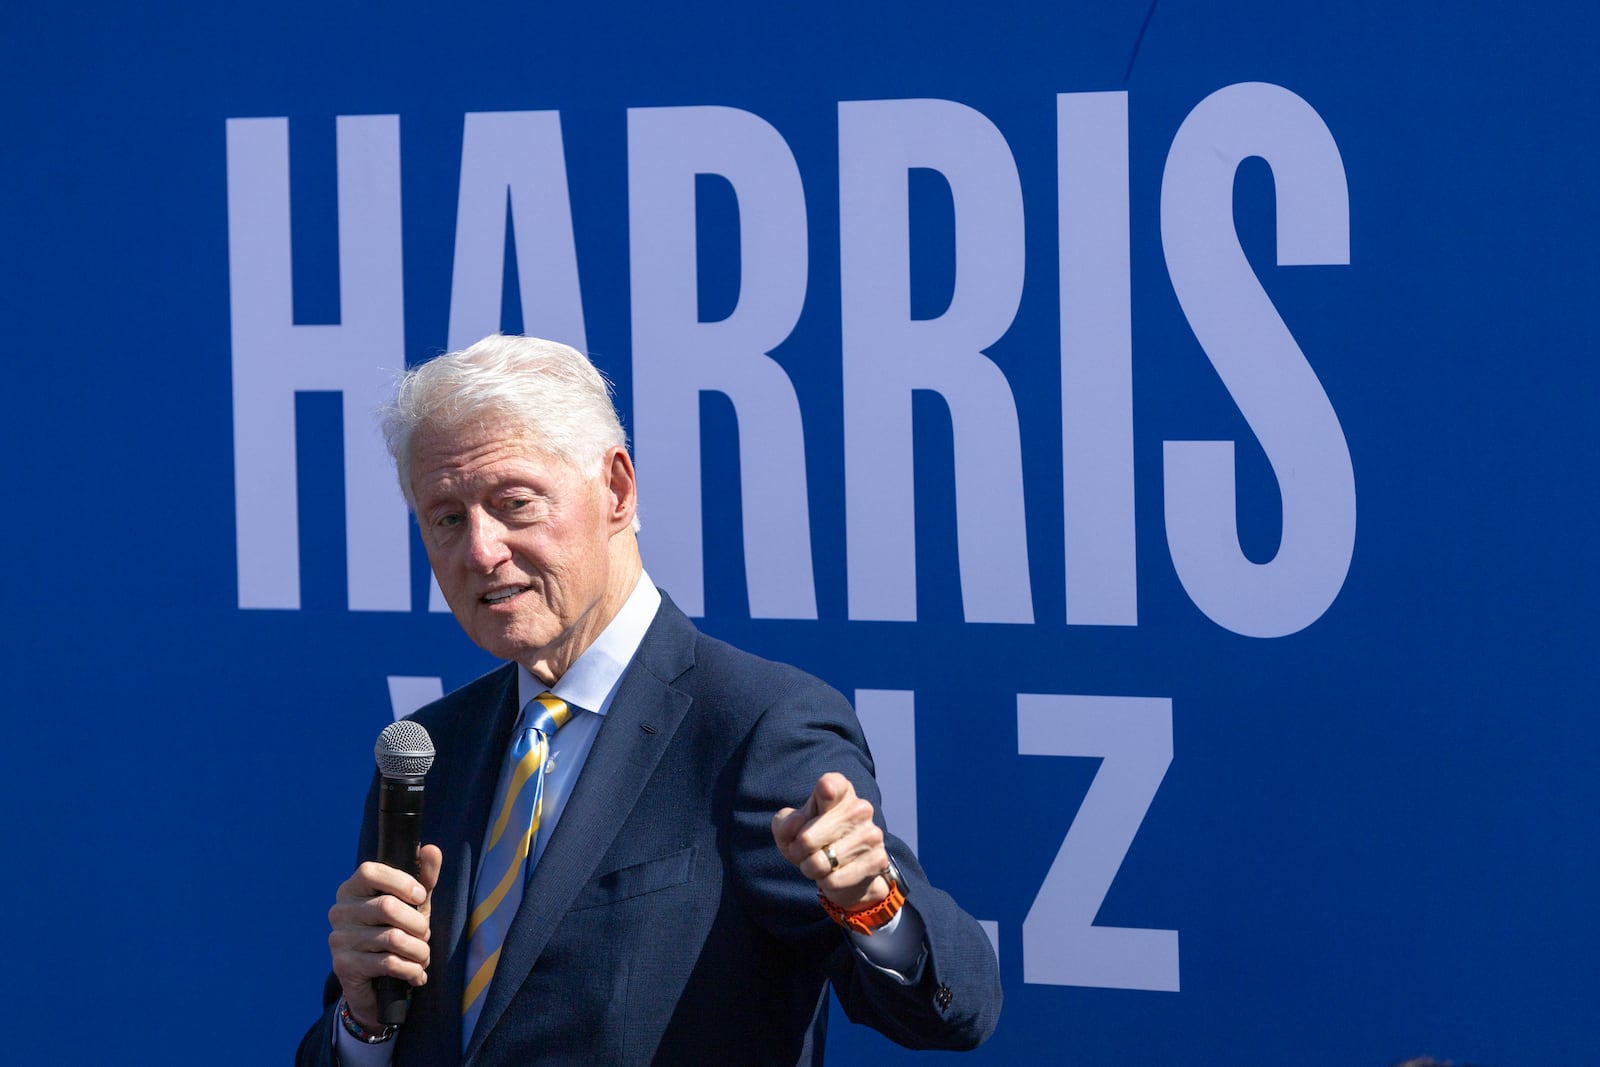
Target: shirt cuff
{"type": "Point", "coordinates": [898, 948]}
{"type": "Point", "coordinates": [348, 1052]}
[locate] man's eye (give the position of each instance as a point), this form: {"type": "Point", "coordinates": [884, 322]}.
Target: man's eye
{"type": "Point", "coordinates": [450, 520]}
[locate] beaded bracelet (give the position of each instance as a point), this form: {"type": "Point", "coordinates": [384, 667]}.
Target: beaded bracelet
{"type": "Point", "coordinates": [361, 1033]}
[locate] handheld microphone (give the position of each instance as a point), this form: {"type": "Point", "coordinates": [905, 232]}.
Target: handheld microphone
{"type": "Point", "coordinates": [404, 753]}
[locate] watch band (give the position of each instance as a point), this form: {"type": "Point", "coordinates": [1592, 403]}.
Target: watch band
{"type": "Point", "coordinates": [866, 920]}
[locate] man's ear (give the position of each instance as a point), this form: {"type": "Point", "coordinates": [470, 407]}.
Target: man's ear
{"type": "Point", "coordinates": [620, 483]}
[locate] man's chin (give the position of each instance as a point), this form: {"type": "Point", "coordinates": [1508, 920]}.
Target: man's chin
{"type": "Point", "coordinates": [508, 641]}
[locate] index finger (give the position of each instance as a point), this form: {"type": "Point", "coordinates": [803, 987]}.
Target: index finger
{"type": "Point", "coordinates": [831, 790]}
{"type": "Point", "coordinates": [373, 879]}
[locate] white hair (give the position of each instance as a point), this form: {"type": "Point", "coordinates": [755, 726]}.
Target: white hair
{"type": "Point", "coordinates": [551, 393]}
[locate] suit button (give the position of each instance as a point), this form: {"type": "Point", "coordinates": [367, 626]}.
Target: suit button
{"type": "Point", "coordinates": [942, 997]}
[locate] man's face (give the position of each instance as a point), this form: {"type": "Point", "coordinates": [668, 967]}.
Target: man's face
{"type": "Point", "coordinates": [519, 540]}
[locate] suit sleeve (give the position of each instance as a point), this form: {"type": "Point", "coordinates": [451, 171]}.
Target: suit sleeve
{"type": "Point", "coordinates": [316, 1047]}
{"type": "Point", "coordinates": [807, 731]}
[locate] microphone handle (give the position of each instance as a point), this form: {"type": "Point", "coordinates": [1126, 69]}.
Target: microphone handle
{"type": "Point", "coordinates": [399, 834]}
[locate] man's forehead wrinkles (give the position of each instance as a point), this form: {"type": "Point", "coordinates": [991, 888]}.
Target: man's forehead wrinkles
{"type": "Point", "coordinates": [454, 459]}
{"type": "Point", "coordinates": [517, 470]}
{"type": "Point", "coordinates": [450, 455]}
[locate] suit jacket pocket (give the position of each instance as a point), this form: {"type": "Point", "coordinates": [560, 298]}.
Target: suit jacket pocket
{"type": "Point", "coordinates": [651, 876]}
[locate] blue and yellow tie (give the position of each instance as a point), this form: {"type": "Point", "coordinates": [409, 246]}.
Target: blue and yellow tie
{"type": "Point", "coordinates": [505, 857]}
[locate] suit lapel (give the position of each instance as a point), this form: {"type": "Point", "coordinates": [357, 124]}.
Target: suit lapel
{"type": "Point", "coordinates": [637, 729]}
{"type": "Point", "coordinates": [476, 743]}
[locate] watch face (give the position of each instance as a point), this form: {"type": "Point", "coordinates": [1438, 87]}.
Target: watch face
{"type": "Point", "coordinates": [894, 873]}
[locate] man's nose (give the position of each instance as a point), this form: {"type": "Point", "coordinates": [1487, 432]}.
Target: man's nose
{"type": "Point", "coordinates": [486, 541]}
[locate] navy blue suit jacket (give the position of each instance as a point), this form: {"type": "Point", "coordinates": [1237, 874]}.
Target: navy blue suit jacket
{"type": "Point", "coordinates": [661, 924]}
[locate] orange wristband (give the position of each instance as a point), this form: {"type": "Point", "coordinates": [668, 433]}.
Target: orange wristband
{"type": "Point", "coordinates": [869, 919]}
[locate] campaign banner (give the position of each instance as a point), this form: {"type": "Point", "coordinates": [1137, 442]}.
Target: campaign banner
{"type": "Point", "coordinates": [1169, 426]}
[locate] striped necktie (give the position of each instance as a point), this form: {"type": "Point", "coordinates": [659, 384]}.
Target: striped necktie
{"type": "Point", "coordinates": [505, 855]}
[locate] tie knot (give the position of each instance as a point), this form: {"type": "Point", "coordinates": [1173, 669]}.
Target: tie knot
{"type": "Point", "coordinates": [547, 713]}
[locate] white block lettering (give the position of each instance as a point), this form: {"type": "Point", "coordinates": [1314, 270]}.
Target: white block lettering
{"type": "Point", "coordinates": [888, 355]}
{"type": "Point", "coordinates": [408, 692]}
{"type": "Point", "coordinates": [1060, 943]}
{"type": "Point", "coordinates": [513, 161]}
{"type": "Point", "coordinates": [889, 720]}
{"type": "Point", "coordinates": [676, 356]}
{"type": "Point", "coordinates": [1096, 358]}
{"type": "Point", "coordinates": [273, 359]}
{"type": "Point", "coordinates": [1258, 360]}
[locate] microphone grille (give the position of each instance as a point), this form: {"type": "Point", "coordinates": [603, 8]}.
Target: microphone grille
{"type": "Point", "coordinates": [404, 750]}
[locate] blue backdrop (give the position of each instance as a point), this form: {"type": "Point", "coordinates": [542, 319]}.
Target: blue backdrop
{"type": "Point", "coordinates": [1171, 424]}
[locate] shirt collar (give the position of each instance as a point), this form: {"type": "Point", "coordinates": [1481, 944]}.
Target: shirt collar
{"type": "Point", "coordinates": [592, 680]}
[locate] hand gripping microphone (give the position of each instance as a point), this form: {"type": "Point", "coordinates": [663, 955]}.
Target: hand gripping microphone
{"type": "Point", "coordinates": [404, 753]}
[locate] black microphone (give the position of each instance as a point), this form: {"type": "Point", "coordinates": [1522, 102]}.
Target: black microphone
{"type": "Point", "coordinates": [404, 753]}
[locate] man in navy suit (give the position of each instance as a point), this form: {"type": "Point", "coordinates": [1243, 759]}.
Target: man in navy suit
{"type": "Point", "coordinates": [709, 858]}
